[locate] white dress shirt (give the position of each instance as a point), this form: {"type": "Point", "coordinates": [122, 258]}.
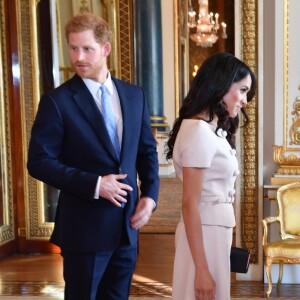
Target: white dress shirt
{"type": "Point", "coordinates": [94, 88]}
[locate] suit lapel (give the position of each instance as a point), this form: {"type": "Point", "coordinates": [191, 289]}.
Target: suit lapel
{"type": "Point", "coordinates": [126, 115]}
{"type": "Point", "coordinates": [87, 104]}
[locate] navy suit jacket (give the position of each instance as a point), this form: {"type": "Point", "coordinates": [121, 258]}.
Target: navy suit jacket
{"type": "Point", "coordinates": [70, 147]}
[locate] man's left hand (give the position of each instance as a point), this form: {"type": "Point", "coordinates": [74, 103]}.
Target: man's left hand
{"type": "Point", "coordinates": [142, 213]}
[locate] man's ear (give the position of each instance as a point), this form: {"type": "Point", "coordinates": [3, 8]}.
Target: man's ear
{"type": "Point", "coordinates": [107, 48]}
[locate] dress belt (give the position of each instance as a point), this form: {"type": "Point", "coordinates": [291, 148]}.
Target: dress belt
{"type": "Point", "coordinates": [217, 199]}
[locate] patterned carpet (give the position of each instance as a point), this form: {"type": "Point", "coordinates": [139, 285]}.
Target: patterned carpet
{"type": "Point", "coordinates": [54, 290]}
{"type": "Point", "coordinates": [142, 291]}
{"type": "Point", "coordinates": [38, 290]}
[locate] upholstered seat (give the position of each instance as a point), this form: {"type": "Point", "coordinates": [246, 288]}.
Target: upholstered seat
{"type": "Point", "coordinates": [287, 249]}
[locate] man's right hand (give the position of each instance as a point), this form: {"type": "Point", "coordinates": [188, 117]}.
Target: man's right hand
{"type": "Point", "coordinates": [114, 190]}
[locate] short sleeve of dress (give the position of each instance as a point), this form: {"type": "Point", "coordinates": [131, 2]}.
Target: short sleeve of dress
{"type": "Point", "coordinates": [197, 145]}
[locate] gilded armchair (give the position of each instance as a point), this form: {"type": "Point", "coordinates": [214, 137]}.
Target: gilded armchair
{"type": "Point", "coordinates": [285, 250]}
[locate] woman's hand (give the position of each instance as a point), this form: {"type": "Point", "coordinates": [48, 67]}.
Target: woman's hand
{"type": "Point", "coordinates": [205, 286]}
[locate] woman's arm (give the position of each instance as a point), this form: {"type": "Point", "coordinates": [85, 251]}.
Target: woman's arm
{"type": "Point", "coordinates": [192, 188]}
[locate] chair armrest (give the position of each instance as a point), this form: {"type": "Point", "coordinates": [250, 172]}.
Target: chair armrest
{"type": "Point", "coordinates": [265, 222]}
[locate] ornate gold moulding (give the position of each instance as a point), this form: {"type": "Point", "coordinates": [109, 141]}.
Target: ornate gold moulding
{"type": "Point", "coordinates": [289, 165]}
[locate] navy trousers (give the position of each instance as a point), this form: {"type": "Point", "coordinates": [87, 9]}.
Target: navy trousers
{"type": "Point", "coordinates": [101, 275]}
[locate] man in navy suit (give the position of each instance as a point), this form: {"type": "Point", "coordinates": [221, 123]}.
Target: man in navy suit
{"type": "Point", "coordinates": [100, 208]}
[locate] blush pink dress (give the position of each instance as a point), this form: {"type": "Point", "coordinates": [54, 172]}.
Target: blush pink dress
{"type": "Point", "coordinates": [197, 145]}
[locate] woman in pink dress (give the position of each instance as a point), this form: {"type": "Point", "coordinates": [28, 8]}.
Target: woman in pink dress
{"type": "Point", "coordinates": [202, 146]}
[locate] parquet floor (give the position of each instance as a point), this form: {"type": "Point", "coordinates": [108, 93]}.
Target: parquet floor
{"type": "Point", "coordinates": [39, 276]}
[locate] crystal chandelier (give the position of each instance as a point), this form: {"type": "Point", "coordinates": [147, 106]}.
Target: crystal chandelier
{"type": "Point", "coordinates": [207, 25]}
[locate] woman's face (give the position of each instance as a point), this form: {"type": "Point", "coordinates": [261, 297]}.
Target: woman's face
{"type": "Point", "coordinates": [236, 98]}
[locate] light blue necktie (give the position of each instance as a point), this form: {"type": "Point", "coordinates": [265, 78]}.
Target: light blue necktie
{"type": "Point", "coordinates": [109, 119]}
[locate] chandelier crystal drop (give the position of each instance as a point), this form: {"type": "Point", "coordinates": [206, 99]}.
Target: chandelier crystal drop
{"type": "Point", "coordinates": [207, 25]}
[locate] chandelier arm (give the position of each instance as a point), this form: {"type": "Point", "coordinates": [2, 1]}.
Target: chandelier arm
{"type": "Point", "coordinates": [206, 26]}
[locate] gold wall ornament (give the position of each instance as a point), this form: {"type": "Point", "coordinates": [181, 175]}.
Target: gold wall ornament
{"type": "Point", "coordinates": [287, 156]}
{"type": "Point", "coordinates": [125, 50]}
{"type": "Point", "coordinates": [295, 127]}
{"type": "Point", "coordinates": [248, 136]}
{"type": "Point", "coordinates": [84, 6]}
{"type": "Point", "coordinates": [6, 189]}
{"type": "Point", "coordinates": [288, 160]}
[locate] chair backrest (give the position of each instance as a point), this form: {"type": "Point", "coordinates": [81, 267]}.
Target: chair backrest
{"type": "Point", "coordinates": [288, 200]}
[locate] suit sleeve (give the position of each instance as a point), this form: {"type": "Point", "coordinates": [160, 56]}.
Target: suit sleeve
{"type": "Point", "coordinates": [147, 160]}
{"type": "Point", "coordinates": [44, 152]}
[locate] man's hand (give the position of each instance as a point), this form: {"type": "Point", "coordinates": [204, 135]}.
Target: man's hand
{"type": "Point", "coordinates": [114, 190]}
{"type": "Point", "coordinates": [142, 213]}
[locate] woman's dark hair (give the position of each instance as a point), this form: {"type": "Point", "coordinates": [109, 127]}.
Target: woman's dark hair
{"type": "Point", "coordinates": [212, 81]}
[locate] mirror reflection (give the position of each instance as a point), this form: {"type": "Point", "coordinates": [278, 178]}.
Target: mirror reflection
{"type": "Point", "coordinates": [64, 10]}
{"type": "Point", "coordinates": [6, 196]}
{"type": "Point", "coordinates": [191, 54]}
{"type": "Point", "coordinates": [197, 53]}
{"type": "Point", "coordinates": [1, 193]}
{"type": "Point", "coordinates": [53, 59]}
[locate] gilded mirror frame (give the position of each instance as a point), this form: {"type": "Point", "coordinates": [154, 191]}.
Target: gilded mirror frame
{"type": "Point", "coordinates": [249, 200]}
{"type": "Point", "coordinates": [36, 226]}
{"type": "Point", "coordinates": [6, 189]}
{"type": "Point", "coordinates": [249, 156]}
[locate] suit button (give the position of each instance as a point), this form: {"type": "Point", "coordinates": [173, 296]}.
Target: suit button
{"type": "Point", "coordinates": [120, 171]}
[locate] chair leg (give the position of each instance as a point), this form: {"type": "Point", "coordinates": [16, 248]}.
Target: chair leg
{"type": "Point", "coordinates": [269, 276]}
{"type": "Point", "coordinates": [280, 274]}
